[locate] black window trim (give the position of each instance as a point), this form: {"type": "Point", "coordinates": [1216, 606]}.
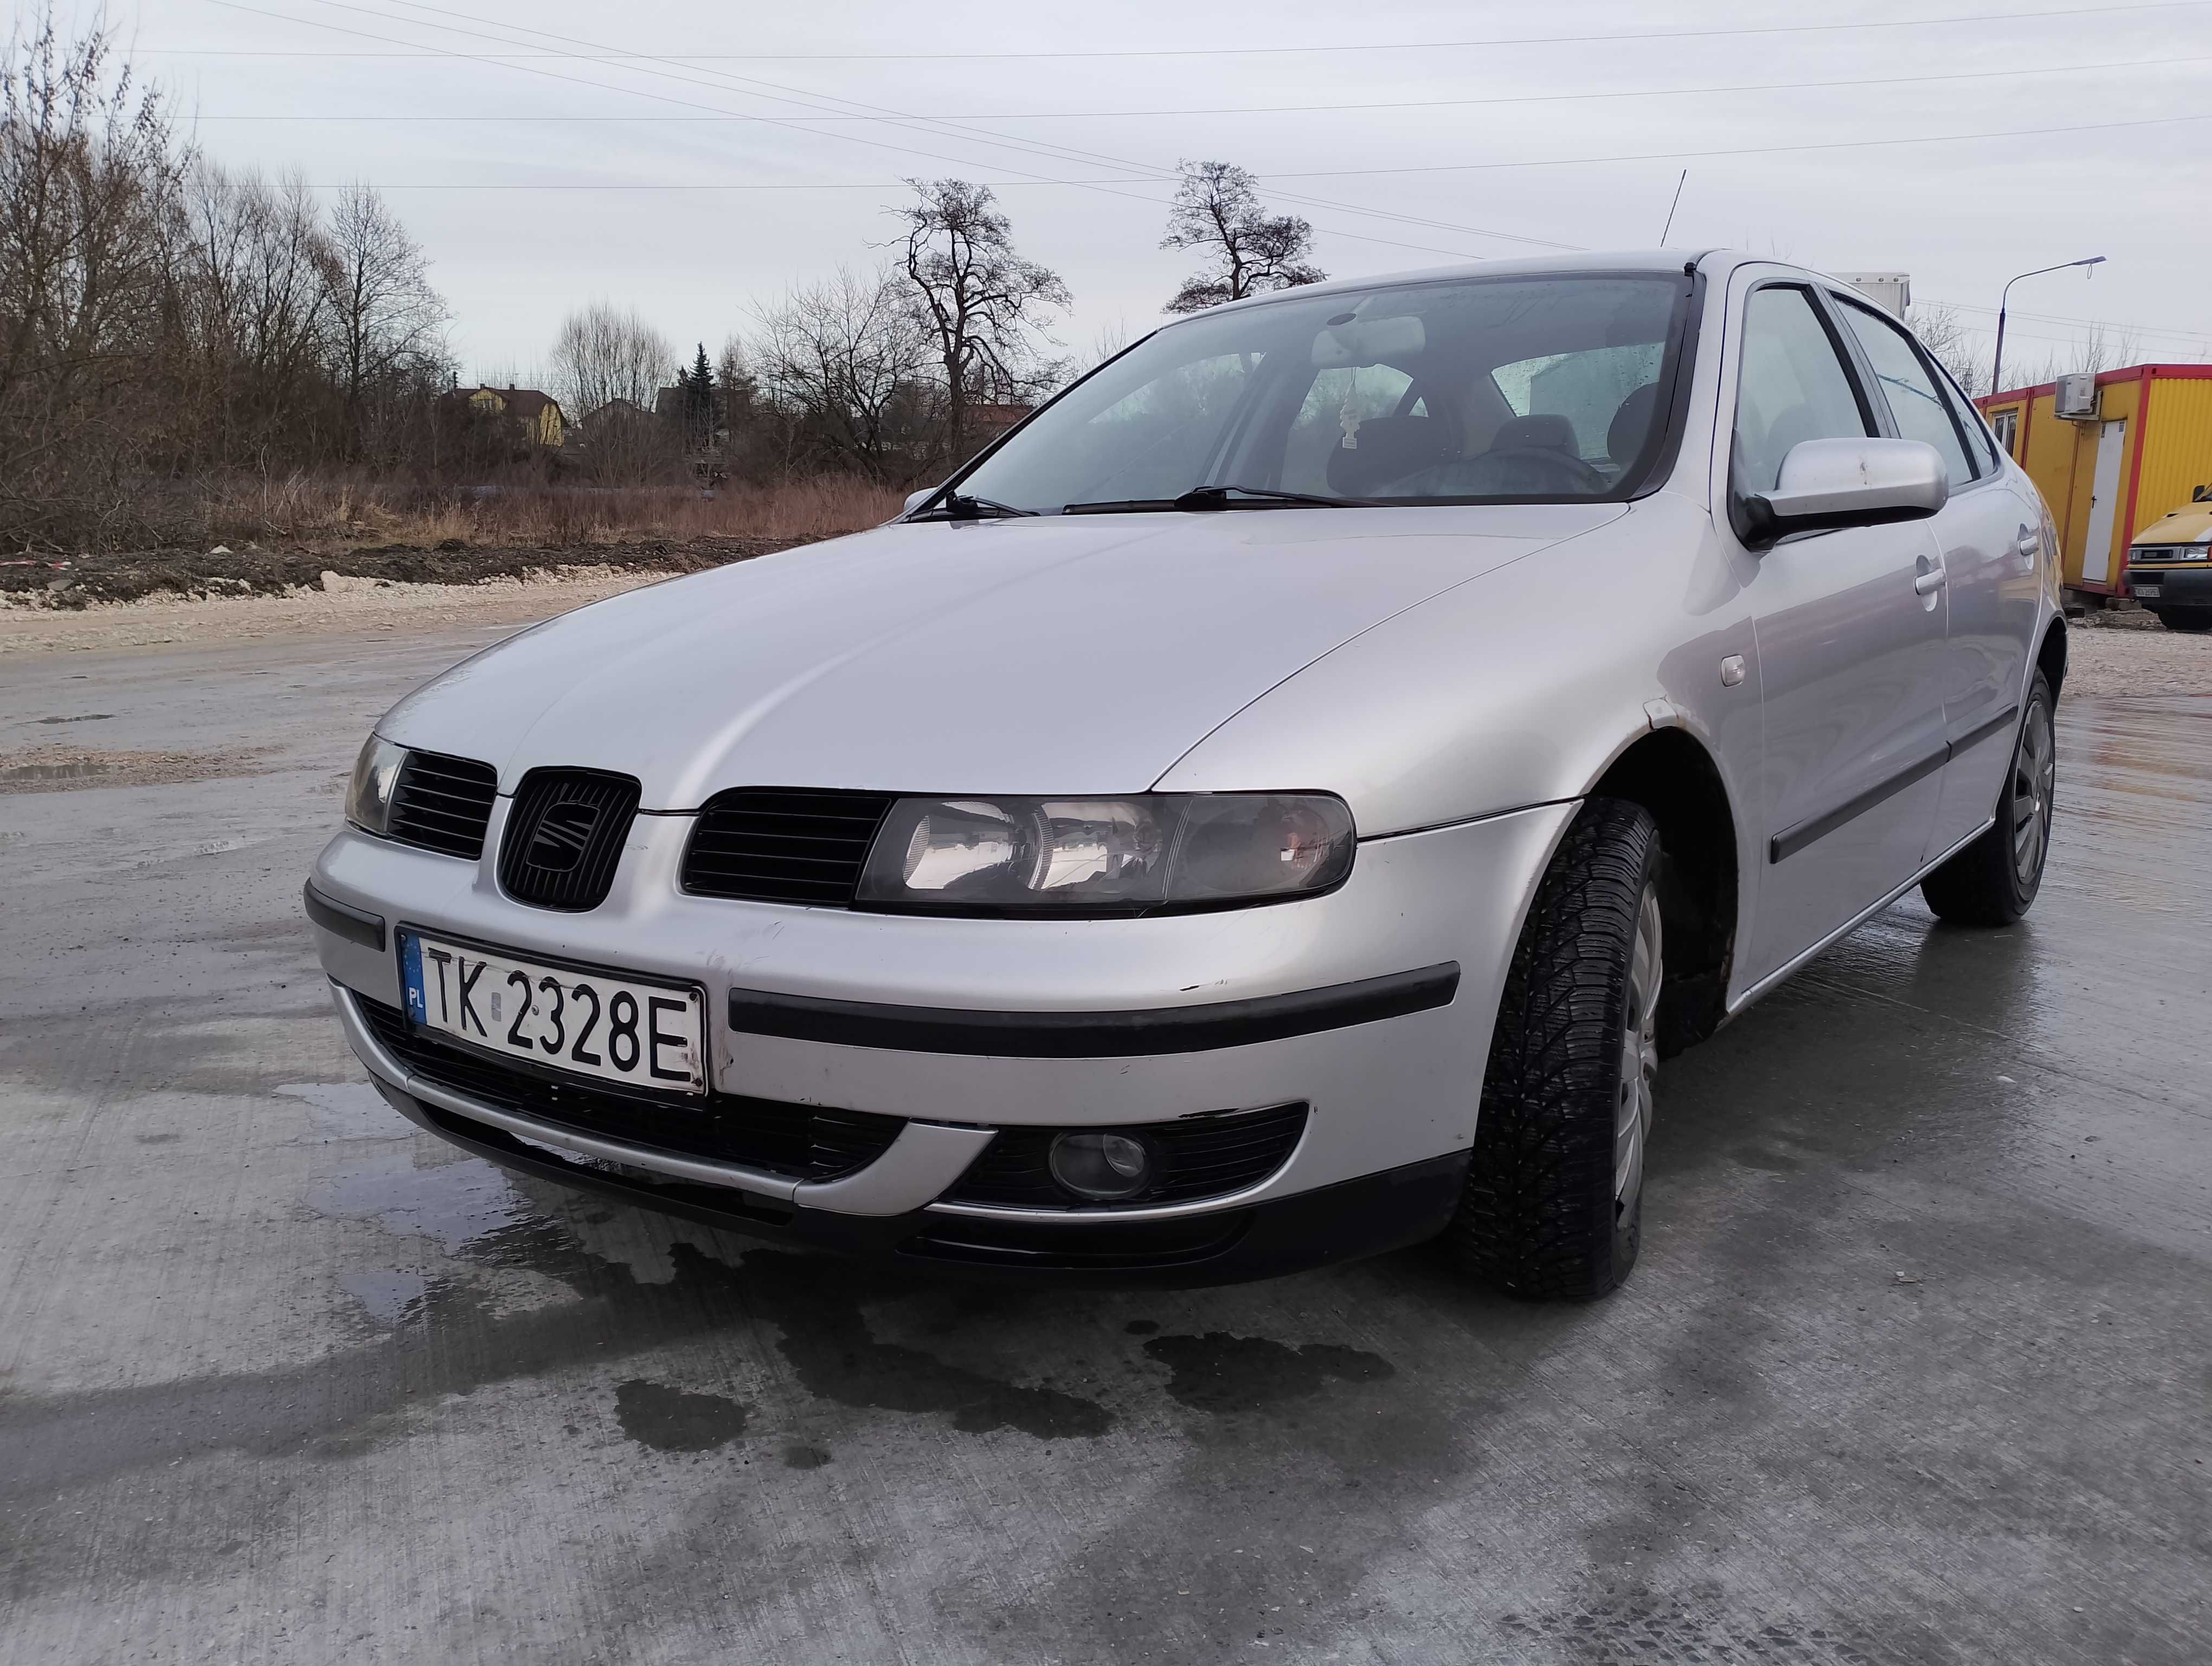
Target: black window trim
{"type": "Point", "coordinates": [1981, 465]}
{"type": "Point", "coordinates": [1963, 409]}
{"type": "Point", "coordinates": [1874, 415]}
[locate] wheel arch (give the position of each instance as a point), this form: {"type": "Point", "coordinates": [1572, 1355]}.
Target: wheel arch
{"type": "Point", "coordinates": [2051, 657]}
{"type": "Point", "coordinates": [1669, 773]}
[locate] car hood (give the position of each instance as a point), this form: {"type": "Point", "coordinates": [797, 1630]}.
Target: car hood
{"type": "Point", "coordinates": [1061, 654]}
{"type": "Point", "coordinates": [2191, 525]}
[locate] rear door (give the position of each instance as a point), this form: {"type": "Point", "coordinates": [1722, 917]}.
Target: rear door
{"type": "Point", "coordinates": [1988, 535]}
{"type": "Point", "coordinates": [1851, 648]}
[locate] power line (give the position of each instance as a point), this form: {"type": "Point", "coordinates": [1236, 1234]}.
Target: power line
{"type": "Point", "coordinates": [1745, 150]}
{"type": "Point", "coordinates": [1355, 173]}
{"type": "Point", "coordinates": [2087, 323]}
{"type": "Point", "coordinates": [1152, 176]}
{"type": "Point", "coordinates": [1255, 51]}
{"type": "Point", "coordinates": [934, 126]}
{"type": "Point", "coordinates": [1310, 109]}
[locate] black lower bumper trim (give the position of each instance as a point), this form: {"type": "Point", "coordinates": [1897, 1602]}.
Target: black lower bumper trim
{"type": "Point", "coordinates": [354, 925]}
{"type": "Point", "coordinates": [2187, 587]}
{"type": "Point", "coordinates": [1339, 1223]}
{"type": "Point", "coordinates": [1156, 1029]}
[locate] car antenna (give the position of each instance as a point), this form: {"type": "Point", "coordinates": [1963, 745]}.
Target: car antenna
{"type": "Point", "coordinates": [1671, 206]}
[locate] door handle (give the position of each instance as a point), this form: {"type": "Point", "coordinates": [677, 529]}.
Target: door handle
{"type": "Point", "coordinates": [2030, 544]}
{"type": "Point", "coordinates": [1928, 582]}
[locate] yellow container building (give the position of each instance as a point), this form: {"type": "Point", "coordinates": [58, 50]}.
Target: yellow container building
{"type": "Point", "coordinates": [2111, 455]}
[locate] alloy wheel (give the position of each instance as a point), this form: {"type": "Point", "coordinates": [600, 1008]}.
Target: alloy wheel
{"type": "Point", "coordinates": [1639, 1057]}
{"type": "Point", "coordinates": [2034, 772]}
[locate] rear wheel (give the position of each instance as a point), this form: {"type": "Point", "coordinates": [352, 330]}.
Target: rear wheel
{"type": "Point", "coordinates": [1554, 1201]}
{"type": "Point", "coordinates": [2192, 619]}
{"type": "Point", "coordinates": [1993, 880]}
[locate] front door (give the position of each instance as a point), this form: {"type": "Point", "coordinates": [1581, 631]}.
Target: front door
{"type": "Point", "coordinates": [2104, 503]}
{"type": "Point", "coordinates": [1849, 636]}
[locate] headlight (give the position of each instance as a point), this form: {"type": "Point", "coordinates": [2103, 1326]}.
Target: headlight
{"type": "Point", "coordinates": [1151, 853]}
{"type": "Point", "coordinates": [375, 772]}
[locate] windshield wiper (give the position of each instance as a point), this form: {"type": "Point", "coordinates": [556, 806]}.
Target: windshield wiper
{"type": "Point", "coordinates": [1256, 497]}
{"type": "Point", "coordinates": [1207, 498]}
{"type": "Point", "coordinates": [958, 506]}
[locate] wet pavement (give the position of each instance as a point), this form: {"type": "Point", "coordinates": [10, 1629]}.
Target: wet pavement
{"type": "Point", "coordinates": [1915, 1367]}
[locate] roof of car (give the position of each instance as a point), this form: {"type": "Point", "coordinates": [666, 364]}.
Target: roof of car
{"type": "Point", "coordinates": [1610, 261]}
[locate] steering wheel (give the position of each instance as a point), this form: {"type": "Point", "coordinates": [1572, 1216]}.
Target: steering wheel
{"type": "Point", "coordinates": [1529, 469]}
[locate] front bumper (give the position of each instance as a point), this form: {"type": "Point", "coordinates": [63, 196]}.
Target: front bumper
{"type": "Point", "coordinates": [1343, 1222]}
{"type": "Point", "coordinates": [2172, 586]}
{"type": "Point", "coordinates": [962, 1028]}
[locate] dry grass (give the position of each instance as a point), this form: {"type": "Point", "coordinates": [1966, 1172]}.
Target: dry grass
{"type": "Point", "coordinates": [306, 509]}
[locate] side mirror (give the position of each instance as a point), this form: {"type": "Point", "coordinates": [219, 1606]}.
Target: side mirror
{"type": "Point", "coordinates": [1828, 483]}
{"type": "Point", "coordinates": [915, 500]}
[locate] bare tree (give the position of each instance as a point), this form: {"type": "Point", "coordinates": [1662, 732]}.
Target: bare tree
{"type": "Point", "coordinates": [841, 362]}
{"type": "Point", "coordinates": [1956, 347]}
{"type": "Point", "coordinates": [1249, 252]}
{"type": "Point", "coordinates": [90, 179]}
{"type": "Point", "coordinates": [386, 319]}
{"type": "Point", "coordinates": [984, 305]}
{"type": "Point", "coordinates": [605, 353]}
{"type": "Point", "coordinates": [251, 308]}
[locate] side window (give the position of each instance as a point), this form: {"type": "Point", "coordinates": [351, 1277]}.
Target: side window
{"type": "Point", "coordinates": [1979, 440]}
{"type": "Point", "coordinates": [1914, 398]}
{"type": "Point", "coordinates": [1792, 386]}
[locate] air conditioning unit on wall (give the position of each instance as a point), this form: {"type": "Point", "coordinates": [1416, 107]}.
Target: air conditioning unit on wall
{"type": "Point", "coordinates": [2076, 398]}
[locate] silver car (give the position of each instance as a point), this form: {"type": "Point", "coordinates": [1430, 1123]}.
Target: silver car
{"type": "Point", "coordinates": [1280, 803]}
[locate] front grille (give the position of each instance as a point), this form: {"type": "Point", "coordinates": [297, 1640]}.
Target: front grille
{"type": "Point", "coordinates": [564, 837]}
{"type": "Point", "coordinates": [442, 804]}
{"type": "Point", "coordinates": [771, 844]}
{"type": "Point", "coordinates": [1199, 1157]}
{"type": "Point", "coordinates": [805, 1142]}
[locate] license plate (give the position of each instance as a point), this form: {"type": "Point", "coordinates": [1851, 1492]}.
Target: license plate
{"type": "Point", "coordinates": [2153, 588]}
{"type": "Point", "coordinates": [641, 1035]}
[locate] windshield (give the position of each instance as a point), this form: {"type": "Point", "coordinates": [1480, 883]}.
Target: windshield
{"type": "Point", "coordinates": [1520, 389]}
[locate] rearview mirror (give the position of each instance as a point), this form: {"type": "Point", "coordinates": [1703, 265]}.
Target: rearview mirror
{"type": "Point", "coordinates": [1365, 341]}
{"type": "Point", "coordinates": [915, 500]}
{"type": "Point", "coordinates": [1828, 483]}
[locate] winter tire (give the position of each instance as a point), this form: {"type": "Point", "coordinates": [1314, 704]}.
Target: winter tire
{"type": "Point", "coordinates": [1555, 1197]}
{"type": "Point", "coordinates": [1992, 881]}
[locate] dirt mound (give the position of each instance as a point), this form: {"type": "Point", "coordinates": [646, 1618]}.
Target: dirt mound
{"type": "Point", "coordinates": [129, 576]}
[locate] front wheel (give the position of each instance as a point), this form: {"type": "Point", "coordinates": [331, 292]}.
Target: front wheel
{"type": "Point", "coordinates": [1554, 1201]}
{"type": "Point", "coordinates": [1993, 880]}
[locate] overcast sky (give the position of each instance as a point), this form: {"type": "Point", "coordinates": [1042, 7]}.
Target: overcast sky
{"type": "Point", "coordinates": [536, 166]}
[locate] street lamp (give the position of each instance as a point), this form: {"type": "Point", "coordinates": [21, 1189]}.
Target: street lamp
{"type": "Point", "coordinates": [1996, 370]}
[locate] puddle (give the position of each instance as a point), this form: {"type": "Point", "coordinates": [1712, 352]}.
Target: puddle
{"type": "Point", "coordinates": [1220, 1372]}
{"type": "Point", "coordinates": [816, 1304]}
{"type": "Point", "coordinates": [461, 1205]}
{"type": "Point", "coordinates": [675, 1419]}
{"type": "Point", "coordinates": [348, 1111]}
{"type": "Point", "coordinates": [390, 1297]}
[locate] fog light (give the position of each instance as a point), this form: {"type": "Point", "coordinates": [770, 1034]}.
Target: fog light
{"type": "Point", "coordinates": [1101, 1165]}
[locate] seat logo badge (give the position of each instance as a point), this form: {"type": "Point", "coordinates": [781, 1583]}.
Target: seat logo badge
{"type": "Point", "coordinates": [563, 832]}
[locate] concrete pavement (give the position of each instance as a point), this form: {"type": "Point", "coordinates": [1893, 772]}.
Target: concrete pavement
{"type": "Point", "coordinates": [1915, 1367]}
